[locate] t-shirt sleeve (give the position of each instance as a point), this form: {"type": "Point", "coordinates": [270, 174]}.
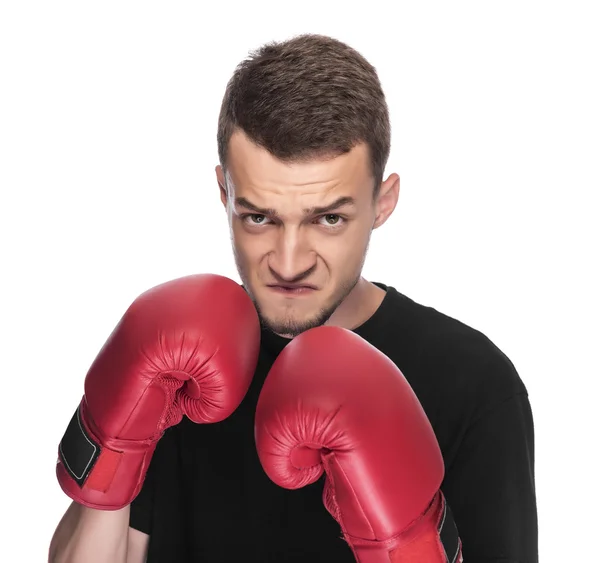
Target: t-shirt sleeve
{"type": "Point", "coordinates": [142, 507]}
{"type": "Point", "coordinates": [490, 486]}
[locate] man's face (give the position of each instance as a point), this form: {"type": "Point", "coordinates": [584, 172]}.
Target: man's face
{"type": "Point", "coordinates": [299, 231]}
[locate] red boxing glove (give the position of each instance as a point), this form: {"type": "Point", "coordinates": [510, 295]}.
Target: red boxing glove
{"type": "Point", "coordinates": [334, 403]}
{"type": "Point", "coordinates": [186, 347]}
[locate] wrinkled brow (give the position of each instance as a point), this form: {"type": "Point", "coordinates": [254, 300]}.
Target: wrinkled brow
{"type": "Point", "coordinates": [270, 212]}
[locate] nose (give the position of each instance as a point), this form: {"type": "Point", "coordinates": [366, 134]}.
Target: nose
{"type": "Point", "coordinates": [292, 259]}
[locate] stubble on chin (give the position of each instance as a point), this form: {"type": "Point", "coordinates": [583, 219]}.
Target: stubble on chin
{"type": "Point", "coordinates": [290, 327]}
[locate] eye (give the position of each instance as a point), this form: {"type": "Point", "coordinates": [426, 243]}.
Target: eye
{"type": "Point", "coordinates": [332, 220]}
{"type": "Point", "coordinates": [255, 219]}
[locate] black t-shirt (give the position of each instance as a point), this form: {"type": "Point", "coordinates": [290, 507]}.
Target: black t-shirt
{"type": "Point", "coordinates": [207, 499]}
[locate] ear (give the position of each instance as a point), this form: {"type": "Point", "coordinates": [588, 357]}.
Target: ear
{"type": "Point", "coordinates": [386, 201]}
{"type": "Point", "coordinates": [222, 184]}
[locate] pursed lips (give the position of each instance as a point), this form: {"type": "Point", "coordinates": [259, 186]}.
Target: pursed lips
{"type": "Point", "coordinates": [292, 289]}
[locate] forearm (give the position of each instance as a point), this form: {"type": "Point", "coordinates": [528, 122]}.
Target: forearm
{"type": "Point", "coordinates": [91, 536]}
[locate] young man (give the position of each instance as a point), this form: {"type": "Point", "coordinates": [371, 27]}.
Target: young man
{"type": "Point", "coordinates": [303, 140]}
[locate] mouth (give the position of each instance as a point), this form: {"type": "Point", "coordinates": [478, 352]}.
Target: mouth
{"type": "Point", "coordinates": [292, 289]}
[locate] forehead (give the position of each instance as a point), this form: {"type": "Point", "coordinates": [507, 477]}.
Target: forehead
{"type": "Point", "coordinates": [253, 168]}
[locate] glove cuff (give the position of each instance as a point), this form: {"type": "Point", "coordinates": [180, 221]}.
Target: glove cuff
{"type": "Point", "coordinates": [433, 537]}
{"type": "Point", "coordinates": [98, 472]}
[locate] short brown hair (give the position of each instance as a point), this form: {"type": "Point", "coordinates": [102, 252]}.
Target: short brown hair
{"type": "Point", "coordinates": [310, 96]}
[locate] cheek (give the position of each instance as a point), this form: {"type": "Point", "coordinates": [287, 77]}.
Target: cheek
{"type": "Point", "coordinates": [251, 248]}
{"type": "Point", "coordinates": [346, 252]}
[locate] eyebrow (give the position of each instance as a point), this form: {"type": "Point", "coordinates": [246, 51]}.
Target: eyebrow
{"type": "Point", "coordinates": [340, 202]}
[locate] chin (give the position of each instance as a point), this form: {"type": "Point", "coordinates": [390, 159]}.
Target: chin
{"type": "Point", "coordinates": [288, 328]}
{"type": "Point", "coordinates": [292, 325]}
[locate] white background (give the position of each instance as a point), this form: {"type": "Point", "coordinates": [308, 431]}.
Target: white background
{"type": "Point", "coordinates": [107, 152]}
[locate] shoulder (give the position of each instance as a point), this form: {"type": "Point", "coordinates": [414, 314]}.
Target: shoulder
{"type": "Point", "coordinates": [460, 359]}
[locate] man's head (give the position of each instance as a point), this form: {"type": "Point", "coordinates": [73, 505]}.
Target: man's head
{"type": "Point", "coordinates": [303, 141]}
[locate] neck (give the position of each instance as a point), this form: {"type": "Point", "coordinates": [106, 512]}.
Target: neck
{"type": "Point", "coordinates": [358, 306]}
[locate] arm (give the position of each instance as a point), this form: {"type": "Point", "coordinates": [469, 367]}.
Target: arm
{"type": "Point", "coordinates": [88, 535]}
{"type": "Point", "coordinates": [319, 412]}
{"type": "Point", "coordinates": [97, 536]}
{"type": "Point", "coordinates": [490, 486]}
{"type": "Point", "coordinates": [166, 358]}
